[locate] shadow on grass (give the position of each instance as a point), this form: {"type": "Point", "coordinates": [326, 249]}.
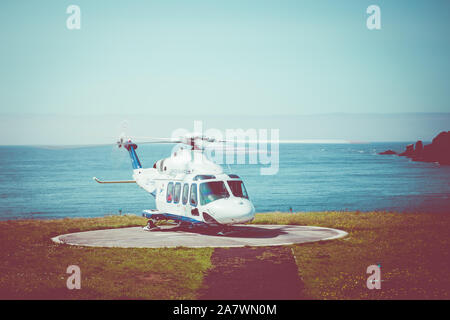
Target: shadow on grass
{"type": "Point", "coordinates": [232, 232]}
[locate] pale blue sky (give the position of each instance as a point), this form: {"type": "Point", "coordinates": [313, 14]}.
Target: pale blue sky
{"type": "Point", "coordinates": [223, 58]}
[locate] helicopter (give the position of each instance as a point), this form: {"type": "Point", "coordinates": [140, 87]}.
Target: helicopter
{"type": "Point", "coordinates": [189, 188]}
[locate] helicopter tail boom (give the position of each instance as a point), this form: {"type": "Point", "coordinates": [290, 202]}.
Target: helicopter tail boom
{"type": "Point", "coordinates": [131, 147]}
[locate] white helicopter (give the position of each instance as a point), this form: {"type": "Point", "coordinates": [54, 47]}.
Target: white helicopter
{"type": "Point", "coordinates": [189, 188]}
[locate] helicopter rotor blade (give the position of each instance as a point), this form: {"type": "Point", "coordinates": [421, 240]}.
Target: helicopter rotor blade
{"type": "Point", "coordinates": [198, 141]}
{"type": "Point", "coordinates": [72, 146]}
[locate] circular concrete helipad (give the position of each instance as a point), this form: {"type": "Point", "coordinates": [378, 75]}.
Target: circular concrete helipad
{"type": "Point", "coordinates": [239, 236]}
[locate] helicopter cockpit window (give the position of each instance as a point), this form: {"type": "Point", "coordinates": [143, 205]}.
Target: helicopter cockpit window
{"type": "Point", "coordinates": [211, 191]}
{"type": "Point", "coordinates": [193, 198]}
{"type": "Point", "coordinates": [185, 193]}
{"type": "Point", "coordinates": [238, 188]}
{"type": "Point", "coordinates": [176, 197]}
{"type": "Point", "coordinates": [169, 195]}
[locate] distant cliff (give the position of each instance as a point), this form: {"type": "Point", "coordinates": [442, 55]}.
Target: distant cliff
{"type": "Point", "coordinates": [437, 151]}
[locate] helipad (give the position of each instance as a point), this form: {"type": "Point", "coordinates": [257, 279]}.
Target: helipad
{"type": "Point", "coordinates": [240, 236]}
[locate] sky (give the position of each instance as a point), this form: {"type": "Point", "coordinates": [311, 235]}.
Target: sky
{"type": "Point", "coordinates": [241, 60]}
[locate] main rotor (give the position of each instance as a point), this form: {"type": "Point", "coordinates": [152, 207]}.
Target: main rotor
{"type": "Point", "coordinates": [194, 141]}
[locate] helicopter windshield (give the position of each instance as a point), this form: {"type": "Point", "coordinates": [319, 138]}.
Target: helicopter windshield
{"type": "Point", "coordinates": [211, 191]}
{"type": "Point", "coordinates": [238, 188]}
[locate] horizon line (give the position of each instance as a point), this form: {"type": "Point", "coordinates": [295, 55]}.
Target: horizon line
{"type": "Point", "coordinates": [299, 141]}
{"type": "Point", "coordinates": [225, 115]}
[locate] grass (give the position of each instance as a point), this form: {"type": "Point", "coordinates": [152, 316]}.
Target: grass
{"type": "Point", "coordinates": [412, 249]}
{"type": "Point", "coordinates": [33, 267]}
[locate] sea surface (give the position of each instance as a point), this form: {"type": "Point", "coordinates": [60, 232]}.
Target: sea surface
{"type": "Point", "coordinates": [57, 182]}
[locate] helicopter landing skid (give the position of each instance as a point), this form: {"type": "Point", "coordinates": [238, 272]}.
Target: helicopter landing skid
{"type": "Point", "coordinates": [225, 231]}
{"type": "Point", "coordinates": [151, 226]}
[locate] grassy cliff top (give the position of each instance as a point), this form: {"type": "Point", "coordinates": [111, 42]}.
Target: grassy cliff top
{"type": "Point", "coordinates": [412, 250]}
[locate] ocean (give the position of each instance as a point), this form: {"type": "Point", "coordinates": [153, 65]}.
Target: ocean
{"type": "Point", "coordinates": [57, 182]}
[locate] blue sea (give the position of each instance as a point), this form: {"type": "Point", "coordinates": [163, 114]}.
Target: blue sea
{"type": "Point", "coordinates": [57, 182]}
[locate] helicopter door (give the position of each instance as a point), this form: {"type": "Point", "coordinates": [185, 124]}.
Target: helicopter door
{"type": "Point", "coordinates": [192, 202]}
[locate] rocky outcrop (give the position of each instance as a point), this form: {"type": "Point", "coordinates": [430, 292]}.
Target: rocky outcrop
{"type": "Point", "coordinates": [437, 151]}
{"type": "Point", "coordinates": [412, 151]}
{"type": "Point", "coordinates": [388, 152]}
{"type": "Point", "coordinates": [409, 152]}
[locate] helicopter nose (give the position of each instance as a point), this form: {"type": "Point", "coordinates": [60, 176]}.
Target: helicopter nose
{"type": "Point", "coordinates": [232, 210]}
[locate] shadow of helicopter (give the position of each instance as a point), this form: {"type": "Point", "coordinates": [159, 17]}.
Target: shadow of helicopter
{"type": "Point", "coordinates": [236, 231]}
